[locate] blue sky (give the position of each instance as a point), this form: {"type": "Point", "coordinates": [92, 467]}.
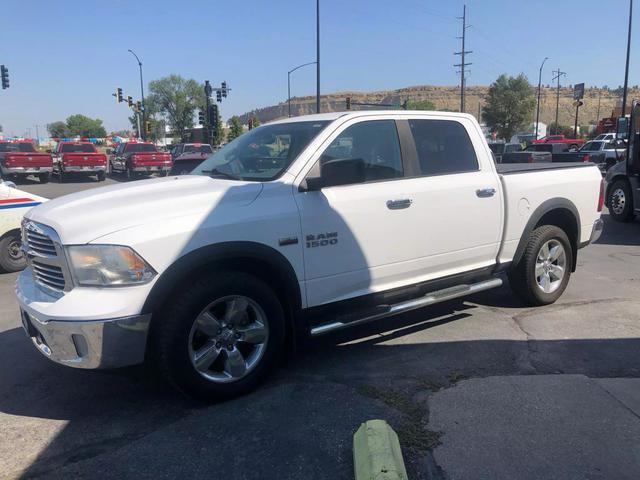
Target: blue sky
{"type": "Point", "coordinates": [67, 57]}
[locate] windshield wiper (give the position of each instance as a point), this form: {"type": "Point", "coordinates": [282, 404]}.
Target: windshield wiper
{"type": "Point", "coordinates": [217, 173]}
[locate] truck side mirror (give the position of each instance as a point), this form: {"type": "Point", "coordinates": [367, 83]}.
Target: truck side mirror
{"type": "Point", "coordinates": [340, 171]}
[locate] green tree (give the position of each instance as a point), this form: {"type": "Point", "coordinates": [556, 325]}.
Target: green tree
{"type": "Point", "coordinates": [84, 126]}
{"type": "Point", "coordinates": [218, 132]}
{"type": "Point", "coordinates": [58, 129]}
{"type": "Point", "coordinates": [178, 99]}
{"type": "Point", "coordinates": [235, 128]}
{"type": "Point", "coordinates": [509, 105]}
{"type": "Point", "coordinates": [420, 105]}
{"type": "Point", "coordinates": [256, 120]}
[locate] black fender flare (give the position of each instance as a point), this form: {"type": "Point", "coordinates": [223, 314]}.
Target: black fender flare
{"type": "Point", "coordinates": [200, 260]}
{"type": "Point", "coordinates": [544, 208]}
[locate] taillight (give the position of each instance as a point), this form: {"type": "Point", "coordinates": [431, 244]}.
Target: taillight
{"type": "Point", "coordinates": [601, 197]}
{"type": "Point", "coordinates": [586, 158]}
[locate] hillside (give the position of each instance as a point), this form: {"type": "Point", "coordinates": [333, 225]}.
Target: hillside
{"type": "Point", "coordinates": [448, 98]}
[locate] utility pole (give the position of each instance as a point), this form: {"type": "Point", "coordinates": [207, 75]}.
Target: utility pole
{"type": "Point", "coordinates": [539, 89]}
{"type": "Point", "coordinates": [598, 111]}
{"type": "Point", "coordinates": [626, 68]}
{"type": "Point", "coordinates": [37, 135]}
{"type": "Point", "coordinates": [557, 74]}
{"type": "Point", "coordinates": [141, 134]}
{"type": "Point", "coordinates": [317, 56]}
{"type": "Point", "coordinates": [208, 90]}
{"type": "Point", "coordinates": [462, 53]}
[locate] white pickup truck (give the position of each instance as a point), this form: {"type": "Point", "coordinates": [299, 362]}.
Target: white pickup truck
{"type": "Point", "coordinates": [306, 225]}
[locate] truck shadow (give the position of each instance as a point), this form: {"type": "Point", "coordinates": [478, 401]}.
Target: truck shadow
{"type": "Point", "coordinates": [616, 233]}
{"type": "Point", "coordinates": [117, 421]}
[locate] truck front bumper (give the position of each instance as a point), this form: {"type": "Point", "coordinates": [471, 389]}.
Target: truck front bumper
{"type": "Point", "coordinates": [24, 170]}
{"type": "Point", "coordinates": [598, 227]}
{"type": "Point", "coordinates": [92, 343]}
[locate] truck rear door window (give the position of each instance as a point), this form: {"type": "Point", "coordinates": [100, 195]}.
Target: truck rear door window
{"type": "Point", "coordinates": [376, 142]}
{"type": "Point", "coordinates": [443, 147]}
{"type": "Point", "coordinates": [81, 148]}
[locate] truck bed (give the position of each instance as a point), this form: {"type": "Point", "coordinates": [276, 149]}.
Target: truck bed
{"type": "Point", "coordinates": [511, 168]}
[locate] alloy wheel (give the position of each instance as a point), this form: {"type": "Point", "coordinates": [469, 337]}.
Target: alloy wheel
{"type": "Point", "coordinates": [551, 264]}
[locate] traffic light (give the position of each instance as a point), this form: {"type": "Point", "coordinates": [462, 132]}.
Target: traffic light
{"type": "Point", "coordinates": [130, 101]}
{"type": "Point", "coordinates": [139, 106]}
{"type": "Point", "coordinates": [119, 95]}
{"type": "Point", "coordinates": [218, 95]}
{"type": "Point", "coordinates": [4, 72]}
{"type": "Point", "coordinates": [147, 127]}
{"type": "Point", "coordinates": [224, 89]}
{"type": "Point", "coordinates": [213, 116]}
{"type": "Point", "coordinates": [201, 117]}
{"type": "Point", "coordinates": [348, 101]}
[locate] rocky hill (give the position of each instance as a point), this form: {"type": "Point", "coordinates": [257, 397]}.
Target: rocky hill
{"type": "Point", "coordinates": [448, 98]}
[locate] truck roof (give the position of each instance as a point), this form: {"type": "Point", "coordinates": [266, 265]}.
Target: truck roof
{"type": "Point", "coordinates": [366, 113]}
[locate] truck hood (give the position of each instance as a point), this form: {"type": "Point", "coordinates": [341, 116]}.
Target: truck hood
{"type": "Point", "coordinates": [85, 216]}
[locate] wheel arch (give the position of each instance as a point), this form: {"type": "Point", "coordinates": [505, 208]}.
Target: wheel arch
{"type": "Point", "coordinates": [560, 212]}
{"type": "Point", "coordinates": [254, 258]}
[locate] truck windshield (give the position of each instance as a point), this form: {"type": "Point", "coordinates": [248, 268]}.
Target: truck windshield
{"type": "Point", "coordinates": [16, 147]}
{"type": "Point", "coordinates": [263, 153]}
{"type": "Point", "coordinates": [80, 148]}
{"type": "Point", "coordinates": [140, 147]}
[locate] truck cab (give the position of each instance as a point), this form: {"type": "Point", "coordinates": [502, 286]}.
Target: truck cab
{"type": "Point", "coordinates": [623, 179]}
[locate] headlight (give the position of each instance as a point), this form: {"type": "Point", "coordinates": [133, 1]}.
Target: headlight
{"type": "Point", "coordinates": [108, 265]}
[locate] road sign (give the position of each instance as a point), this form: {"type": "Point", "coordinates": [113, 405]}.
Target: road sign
{"type": "Point", "coordinates": [578, 91]}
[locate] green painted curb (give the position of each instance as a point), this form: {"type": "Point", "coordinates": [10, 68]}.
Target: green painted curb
{"type": "Point", "coordinates": [376, 452]}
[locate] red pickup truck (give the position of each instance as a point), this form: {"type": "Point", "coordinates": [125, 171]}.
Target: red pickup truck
{"type": "Point", "coordinates": [79, 157]}
{"type": "Point", "coordinates": [573, 143]}
{"type": "Point", "coordinates": [18, 159]}
{"type": "Point", "coordinates": [137, 158]}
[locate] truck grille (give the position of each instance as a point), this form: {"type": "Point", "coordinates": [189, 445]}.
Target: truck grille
{"type": "Point", "coordinates": [49, 275]}
{"type": "Point", "coordinates": [41, 245]}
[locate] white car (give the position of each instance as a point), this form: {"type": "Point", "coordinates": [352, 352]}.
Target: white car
{"type": "Point", "coordinates": [14, 204]}
{"type": "Point", "coordinates": [607, 137]}
{"type": "Point", "coordinates": [303, 226]}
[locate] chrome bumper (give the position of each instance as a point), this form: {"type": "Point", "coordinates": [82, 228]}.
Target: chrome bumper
{"type": "Point", "coordinates": [110, 343]}
{"type": "Point", "coordinates": [164, 168]}
{"type": "Point", "coordinates": [598, 227]}
{"type": "Point", "coordinates": [91, 169]}
{"type": "Point", "coordinates": [24, 170]}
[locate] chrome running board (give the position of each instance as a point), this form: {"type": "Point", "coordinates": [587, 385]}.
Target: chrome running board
{"type": "Point", "coordinates": [429, 299]}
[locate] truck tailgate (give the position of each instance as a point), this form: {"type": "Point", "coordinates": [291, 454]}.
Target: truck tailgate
{"type": "Point", "coordinates": [83, 159]}
{"type": "Point", "coordinates": [22, 159]}
{"type": "Point", "coordinates": [150, 159]}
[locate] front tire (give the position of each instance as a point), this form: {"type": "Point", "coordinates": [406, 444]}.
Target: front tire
{"type": "Point", "coordinates": [11, 257]}
{"type": "Point", "coordinates": [221, 337]}
{"type": "Point", "coordinates": [543, 272]}
{"type": "Point", "coordinates": [620, 201]}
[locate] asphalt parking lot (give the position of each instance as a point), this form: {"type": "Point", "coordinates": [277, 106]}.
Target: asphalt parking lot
{"type": "Point", "coordinates": [482, 388]}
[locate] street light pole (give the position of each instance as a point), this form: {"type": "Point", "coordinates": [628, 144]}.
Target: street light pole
{"type": "Point", "coordinates": [142, 134]}
{"type": "Point", "coordinates": [317, 56]}
{"type": "Point", "coordinates": [626, 68]}
{"type": "Point", "coordinates": [539, 88]}
{"type": "Point", "coordinates": [289, 84]}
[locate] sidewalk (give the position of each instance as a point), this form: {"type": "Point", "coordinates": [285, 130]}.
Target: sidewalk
{"type": "Point", "coordinates": [538, 427]}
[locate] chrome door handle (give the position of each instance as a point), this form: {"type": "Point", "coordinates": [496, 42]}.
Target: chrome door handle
{"type": "Point", "coordinates": [486, 192]}
{"type": "Point", "coordinates": [399, 204]}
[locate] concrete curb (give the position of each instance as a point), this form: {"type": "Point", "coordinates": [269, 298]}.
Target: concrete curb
{"type": "Point", "coordinates": [376, 452]}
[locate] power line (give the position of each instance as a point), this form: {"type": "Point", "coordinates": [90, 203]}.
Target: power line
{"type": "Point", "coordinates": [462, 53]}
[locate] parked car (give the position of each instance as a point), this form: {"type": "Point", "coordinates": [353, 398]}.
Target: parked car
{"type": "Point", "coordinates": [78, 158]}
{"type": "Point", "coordinates": [606, 153]}
{"type": "Point", "coordinates": [622, 190]}
{"type": "Point", "coordinates": [187, 156]}
{"type": "Point", "coordinates": [528, 156]}
{"type": "Point", "coordinates": [608, 137]}
{"type": "Point", "coordinates": [500, 148]}
{"type": "Point", "coordinates": [139, 158]}
{"type": "Point", "coordinates": [560, 153]}
{"type": "Point", "coordinates": [306, 225]}
{"type": "Point", "coordinates": [14, 204]}
{"type": "Point", "coordinates": [573, 143]}
{"type": "Point", "coordinates": [19, 159]}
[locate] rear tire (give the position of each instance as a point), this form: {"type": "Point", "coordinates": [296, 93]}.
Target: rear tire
{"type": "Point", "coordinates": [100, 176]}
{"type": "Point", "coordinates": [543, 272]}
{"type": "Point", "coordinates": [44, 177]}
{"type": "Point", "coordinates": [11, 257]}
{"type": "Point", "coordinates": [199, 319]}
{"type": "Point", "coordinates": [61, 177]}
{"type": "Point", "coordinates": [620, 201]}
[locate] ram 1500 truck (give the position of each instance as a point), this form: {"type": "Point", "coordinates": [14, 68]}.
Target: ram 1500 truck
{"type": "Point", "coordinates": [139, 158]}
{"type": "Point", "coordinates": [79, 157]}
{"type": "Point", "coordinates": [19, 159]}
{"type": "Point", "coordinates": [303, 226]}
{"type": "Point", "coordinates": [187, 156]}
{"type": "Point", "coordinates": [14, 204]}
